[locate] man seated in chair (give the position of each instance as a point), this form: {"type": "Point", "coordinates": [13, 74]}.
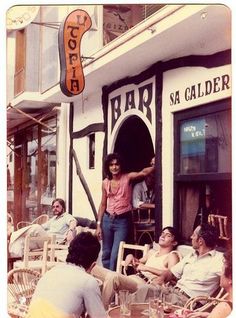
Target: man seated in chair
{"type": "Point", "coordinates": [223, 307]}
{"type": "Point", "coordinates": [143, 192]}
{"type": "Point", "coordinates": [68, 290]}
{"type": "Point", "coordinates": [62, 224]}
{"type": "Point", "coordinates": [198, 273]}
{"type": "Point", "coordinates": [158, 260]}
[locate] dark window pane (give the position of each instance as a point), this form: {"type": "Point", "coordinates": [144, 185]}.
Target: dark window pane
{"type": "Point", "coordinates": [205, 144]}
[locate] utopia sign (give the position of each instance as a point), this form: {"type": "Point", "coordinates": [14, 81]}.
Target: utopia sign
{"type": "Point", "coordinates": [70, 34]}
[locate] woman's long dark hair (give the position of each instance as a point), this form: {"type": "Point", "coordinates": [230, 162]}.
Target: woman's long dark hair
{"type": "Point", "coordinates": [109, 158]}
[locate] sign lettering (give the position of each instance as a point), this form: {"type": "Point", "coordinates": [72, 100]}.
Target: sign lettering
{"type": "Point", "coordinates": [70, 34]}
{"type": "Point", "coordinates": [139, 99]}
{"type": "Point", "coordinates": [215, 85]}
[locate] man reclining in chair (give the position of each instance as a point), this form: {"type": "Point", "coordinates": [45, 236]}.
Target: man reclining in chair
{"type": "Point", "coordinates": [62, 224]}
{"type": "Point", "coordinates": [198, 273]}
{"type": "Point", "coordinates": [157, 260]}
{"type": "Point", "coordinates": [147, 269]}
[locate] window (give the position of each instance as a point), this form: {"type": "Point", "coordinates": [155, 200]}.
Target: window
{"type": "Point", "coordinates": [205, 144]}
{"type": "Point", "coordinates": [92, 151]}
{"type": "Point", "coordinates": [119, 18]}
{"type": "Point", "coordinates": [34, 180]}
{"type": "Point", "coordinates": [203, 168]}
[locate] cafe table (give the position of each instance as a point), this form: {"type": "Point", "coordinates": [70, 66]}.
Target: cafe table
{"type": "Point", "coordinates": [137, 311]}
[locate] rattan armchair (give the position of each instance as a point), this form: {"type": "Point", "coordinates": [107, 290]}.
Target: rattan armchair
{"type": "Point", "coordinates": [220, 222]}
{"type": "Point", "coordinates": [143, 225]}
{"type": "Point", "coordinates": [39, 220]}
{"type": "Point", "coordinates": [205, 303]}
{"type": "Point", "coordinates": [21, 284]}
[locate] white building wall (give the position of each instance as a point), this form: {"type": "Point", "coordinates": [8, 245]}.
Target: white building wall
{"type": "Point", "coordinates": [180, 80]}
{"type": "Point", "coordinates": [33, 56]}
{"type": "Point", "coordinates": [93, 39]}
{"type": "Point", "coordinates": [93, 177]}
{"type": "Point", "coordinates": [49, 61]}
{"type": "Point", "coordinates": [87, 112]}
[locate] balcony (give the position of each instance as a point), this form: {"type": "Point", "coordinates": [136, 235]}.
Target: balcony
{"type": "Point", "coordinates": [119, 18]}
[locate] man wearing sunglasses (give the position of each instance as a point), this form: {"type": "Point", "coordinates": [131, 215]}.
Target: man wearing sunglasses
{"type": "Point", "coordinates": [62, 225]}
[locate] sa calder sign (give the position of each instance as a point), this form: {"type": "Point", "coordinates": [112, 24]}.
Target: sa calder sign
{"type": "Point", "coordinates": [70, 34]}
{"type": "Point", "coordinates": [208, 87]}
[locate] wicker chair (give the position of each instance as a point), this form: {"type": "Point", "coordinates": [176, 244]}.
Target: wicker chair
{"type": "Point", "coordinates": [39, 220]}
{"type": "Point", "coordinates": [143, 225]}
{"type": "Point", "coordinates": [221, 222]}
{"type": "Point", "coordinates": [21, 284]}
{"type": "Point", "coordinates": [205, 303]}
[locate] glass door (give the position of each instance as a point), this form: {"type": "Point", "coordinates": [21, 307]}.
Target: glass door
{"type": "Point", "coordinates": [34, 180]}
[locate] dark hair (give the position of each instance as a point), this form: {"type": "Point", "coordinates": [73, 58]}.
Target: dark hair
{"type": "Point", "coordinates": [83, 250]}
{"type": "Point", "coordinates": [209, 233]}
{"type": "Point", "coordinates": [228, 264]}
{"type": "Point", "coordinates": [61, 201]}
{"type": "Point", "coordinates": [174, 232]}
{"type": "Point", "coordinates": [109, 158]}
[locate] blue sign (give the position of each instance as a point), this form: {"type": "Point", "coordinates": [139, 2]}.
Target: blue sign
{"type": "Point", "coordinates": [192, 137]}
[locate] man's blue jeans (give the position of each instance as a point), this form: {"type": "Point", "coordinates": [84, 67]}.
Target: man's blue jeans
{"type": "Point", "coordinates": [114, 230]}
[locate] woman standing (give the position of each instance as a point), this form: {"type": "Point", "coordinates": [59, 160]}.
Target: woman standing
{"type": "Point", "coordinates": [114, 214]}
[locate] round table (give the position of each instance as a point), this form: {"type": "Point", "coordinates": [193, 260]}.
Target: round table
{"type": "Point", "coordinates": [136, 311]}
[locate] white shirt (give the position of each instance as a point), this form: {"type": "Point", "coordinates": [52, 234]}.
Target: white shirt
{"type": "Point", "coordinates": [58, 225]}
{"type": "Point", "coordinates": [141, 195]}
{"type": "Point", "coordinates": [199, 275]}
{"type": "Point", "coordinates": [72, 290]}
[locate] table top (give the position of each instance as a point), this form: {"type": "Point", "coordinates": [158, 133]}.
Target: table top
{"type": "Point", "coordinates": [136, 311]}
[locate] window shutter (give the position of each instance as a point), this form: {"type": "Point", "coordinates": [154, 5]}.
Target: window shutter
{"type": "Point", "coordinates": [149, 9]}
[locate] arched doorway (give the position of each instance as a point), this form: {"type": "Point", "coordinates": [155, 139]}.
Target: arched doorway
{"type": "Point", "coordinates": [134, 144]}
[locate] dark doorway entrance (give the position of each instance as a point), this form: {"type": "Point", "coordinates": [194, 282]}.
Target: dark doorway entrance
{"type": "Point", "coordinates": [134, 144]}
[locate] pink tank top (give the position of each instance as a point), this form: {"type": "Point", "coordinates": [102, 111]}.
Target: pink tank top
{"type": "Point", "coordinates": [119, 202]}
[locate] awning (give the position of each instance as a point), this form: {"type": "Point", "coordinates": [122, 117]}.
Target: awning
{"type": "Point", "coordinates": [37, 112]}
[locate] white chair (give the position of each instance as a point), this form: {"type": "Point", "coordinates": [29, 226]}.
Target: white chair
{"type": "Point", "coordinates": [120, 268]}
{"type": "Point", "coordinates": [184, 250]}
{"type": "Point", "coordinates": [51, 253]}
{"type": "Point", "coordinates": [33, 258]}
